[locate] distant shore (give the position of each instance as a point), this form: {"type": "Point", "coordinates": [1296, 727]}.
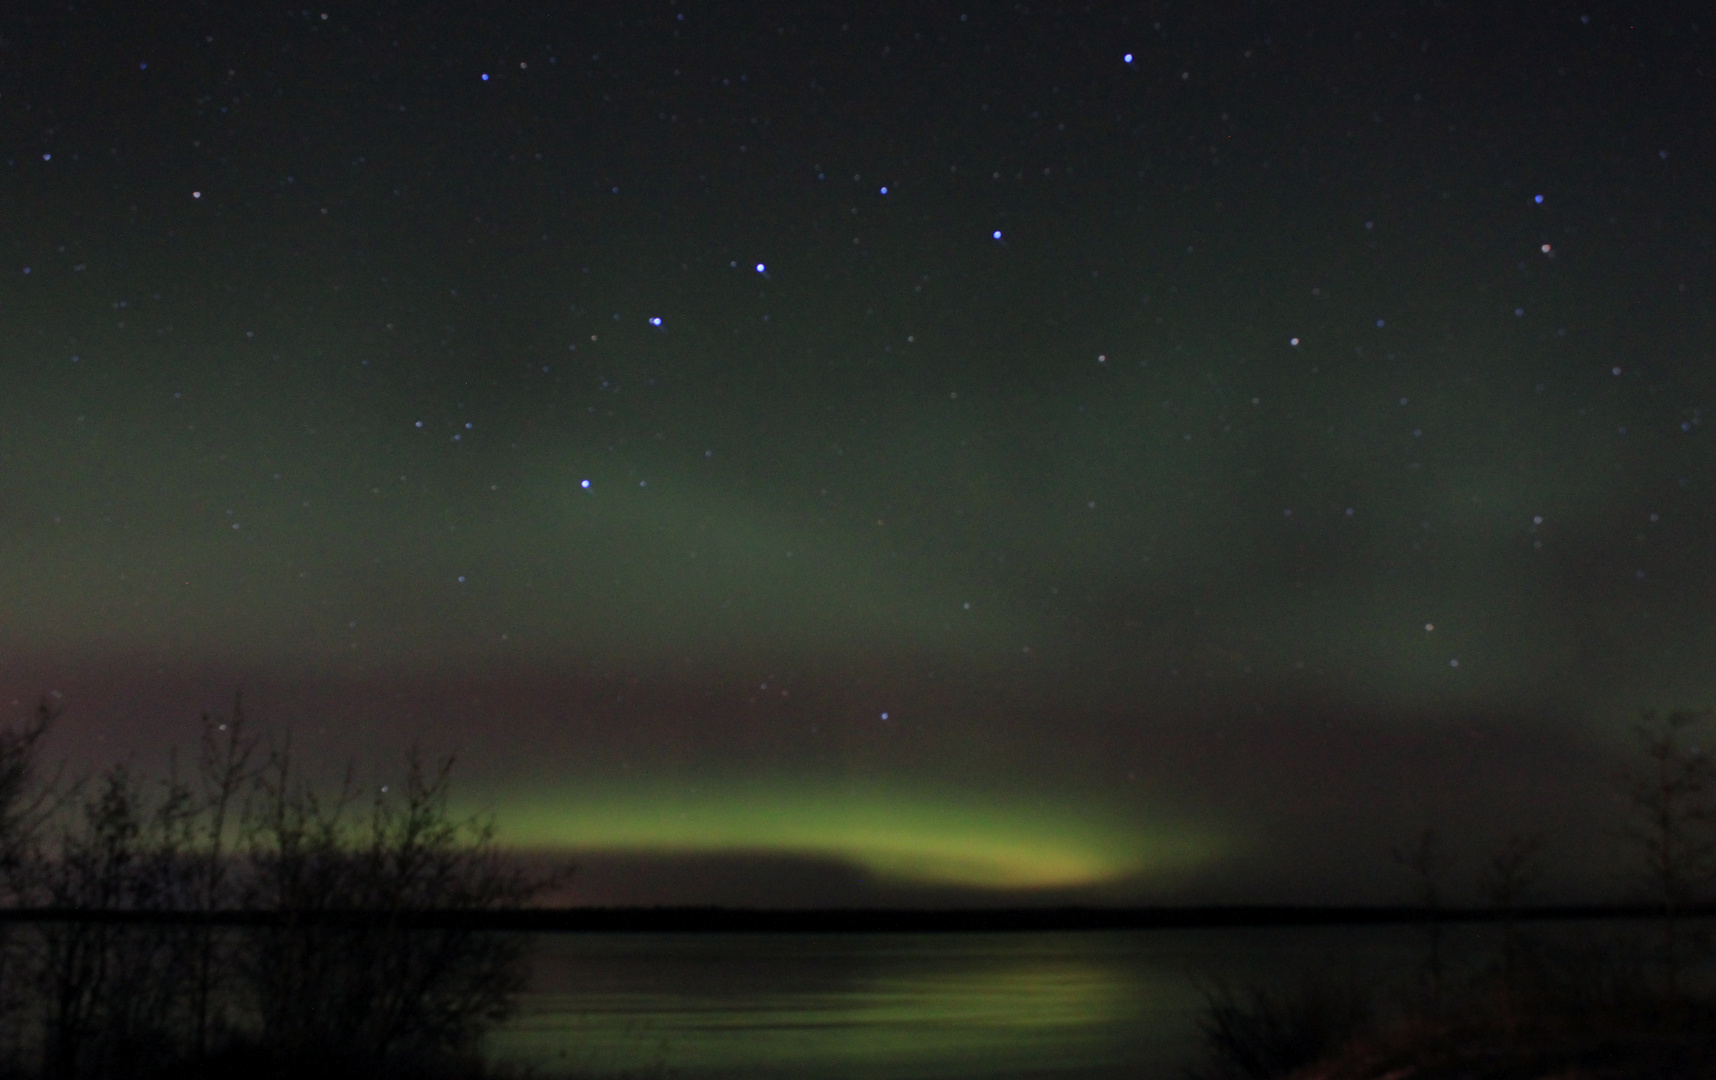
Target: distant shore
{"type": "Point", "coordinates": [716, 920]}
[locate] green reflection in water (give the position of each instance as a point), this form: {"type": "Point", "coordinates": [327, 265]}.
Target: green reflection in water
{"type": "Point", "coordinates": [867, 1006]}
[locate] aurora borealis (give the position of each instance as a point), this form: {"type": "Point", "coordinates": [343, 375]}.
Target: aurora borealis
{"type": "Point", "coordinates": [906, 452]}
{"type": "Point", "coordinates": [895, 834]}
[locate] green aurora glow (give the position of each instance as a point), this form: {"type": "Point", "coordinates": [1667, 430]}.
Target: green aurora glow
{"type": "Point", "coordinates": [907, 836]}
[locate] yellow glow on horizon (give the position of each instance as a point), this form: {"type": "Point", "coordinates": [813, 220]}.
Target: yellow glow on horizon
{"type": "Point", "coordinates": [903, 835]}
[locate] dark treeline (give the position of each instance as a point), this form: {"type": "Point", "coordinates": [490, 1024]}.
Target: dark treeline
{"type": "Point", "coordinates": [1511, 995]}
{"type": "Point", "coordinates": [145, 972]}
{"type": "Point", "coordinates": [724, 920]}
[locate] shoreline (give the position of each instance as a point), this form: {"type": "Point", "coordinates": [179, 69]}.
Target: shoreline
{"type": "Point", "coordinates": [718, 920]}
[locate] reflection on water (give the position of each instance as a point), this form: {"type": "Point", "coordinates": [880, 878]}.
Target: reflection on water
{"type": "Point", "coordinates": [1087, 1005]}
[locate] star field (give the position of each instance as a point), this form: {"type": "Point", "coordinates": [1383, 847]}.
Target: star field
{"type": "Point", "coordinates": [1145, 452]}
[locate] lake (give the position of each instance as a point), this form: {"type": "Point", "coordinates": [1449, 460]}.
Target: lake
{"type": "Point", "coordinates": [1075, 1004]}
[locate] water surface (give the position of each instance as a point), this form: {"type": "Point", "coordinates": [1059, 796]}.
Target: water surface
{"type": "Point", "coordinates": [1075, 1004]}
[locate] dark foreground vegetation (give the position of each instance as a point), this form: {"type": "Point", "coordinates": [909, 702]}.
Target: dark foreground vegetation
{"type": "Point", "coordinates": [137, 968]}
{"type": "Point", "coordinates": [1519, 998]}
{"type": "Point", "coordinates": [1571, 1010]}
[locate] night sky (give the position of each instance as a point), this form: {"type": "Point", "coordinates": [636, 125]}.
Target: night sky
{"type": "Point", "coordinates": [826, 454]}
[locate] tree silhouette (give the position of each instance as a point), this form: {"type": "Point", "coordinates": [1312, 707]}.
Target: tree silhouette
{"type": "Point", "coordinates": [349, 969]}
{"type": "Point", "coordinates": [1426, 862]}
{"type": "Point", "coordinates": [1671, 824]}
{"type": "Point", "coordinates": [242, 916]}
{"type": "Point", "coordinates": [1508, 879]}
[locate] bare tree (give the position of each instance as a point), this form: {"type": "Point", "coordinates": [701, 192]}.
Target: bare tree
{"type": "Point", "coordinates": [450, 982]}
{"type": "Point", "coordinates": [297, 866]}
{"type": "Point", "coordinates": [1512, 873]}
{"type": "Point", "coordinates": [360, 956]}
{"type": "Point", "coordinates": [25, 803]}
{"type": "Point", "coordinates": [113, 990]}
{"type": "Point", "coordinates": [351, 969]}
{"type": "Point", "coordinates": [1426, 862]}
{"type": "Point", "coordinates": [223, 770]}
{"type": "Point", "coordinates": [1671, 827]}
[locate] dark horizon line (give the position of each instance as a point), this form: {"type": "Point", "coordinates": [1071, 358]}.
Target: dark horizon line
{"type": "Point", "coordinates": [719, 919]}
